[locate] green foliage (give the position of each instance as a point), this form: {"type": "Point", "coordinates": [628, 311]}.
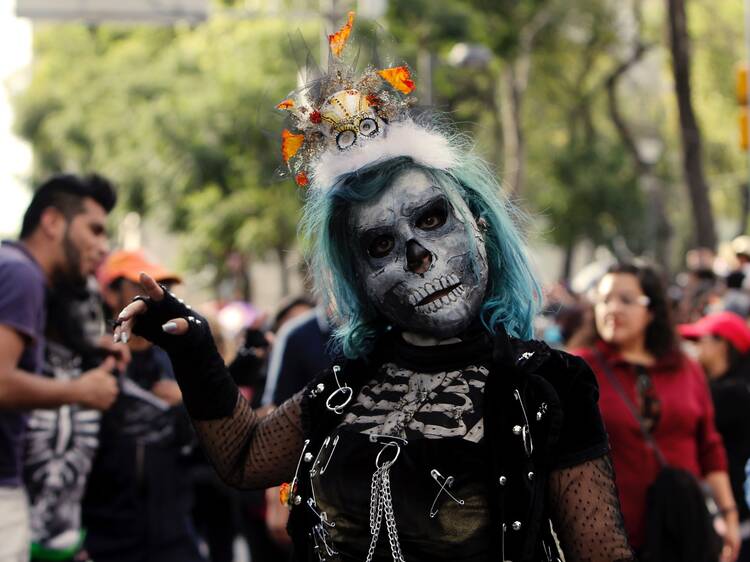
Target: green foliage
{"type": "Point", "coordinates": [607, 201]}
{"type": "Point", "coordinates": [182, 119]}
{"type": "Point", "coordinates": [179, 117]}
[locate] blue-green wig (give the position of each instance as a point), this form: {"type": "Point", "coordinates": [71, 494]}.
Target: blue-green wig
{"type": "Point", "coordinates": [512, 291]}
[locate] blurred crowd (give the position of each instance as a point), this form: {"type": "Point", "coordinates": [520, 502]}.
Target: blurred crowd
{"type": "Point", "coordinates": [98, 460]}
{"type": "Point", "coordinates": [672, 359]}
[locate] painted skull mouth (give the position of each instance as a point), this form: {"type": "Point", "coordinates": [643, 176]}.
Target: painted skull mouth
{"type": "Point", "coordinates": [436, 294]}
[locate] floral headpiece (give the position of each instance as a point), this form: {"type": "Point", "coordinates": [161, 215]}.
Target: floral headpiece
{"type": "Point", "coordinates": [340, 123]}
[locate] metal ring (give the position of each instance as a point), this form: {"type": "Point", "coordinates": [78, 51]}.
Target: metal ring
{"type": "Point", "coordinates": [389, 463]}
{"type": "Point", "coordinates": [339, 409]}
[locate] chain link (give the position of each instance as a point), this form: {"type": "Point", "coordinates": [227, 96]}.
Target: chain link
{"type": "Point", "coordinates": [381, 505]}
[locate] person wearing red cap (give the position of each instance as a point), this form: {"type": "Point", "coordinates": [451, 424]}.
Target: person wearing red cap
{"type": "Point", "coordinates": [723, 343]}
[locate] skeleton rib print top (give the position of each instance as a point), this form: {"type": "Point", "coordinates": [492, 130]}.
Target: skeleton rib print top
{"type": "Point", "coordinates": [424, 429]}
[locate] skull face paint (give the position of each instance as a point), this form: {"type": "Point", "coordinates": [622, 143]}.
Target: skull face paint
{"type": "Point", "coordinates": [415, 258]}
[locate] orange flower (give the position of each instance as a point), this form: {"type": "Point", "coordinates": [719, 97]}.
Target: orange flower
{"type": "Point", "coordinates": [284, 493]}
{"type": "Point", "coordinates": [290, 144]}
{"type": "Point", "coordinates": [398, 77]}
{"type": "Point", "coordinates": [337, 40]}
{"type": "Point", "coordinates": [301, 179]}
{"type": "Point", "coordinates": [286, 104]}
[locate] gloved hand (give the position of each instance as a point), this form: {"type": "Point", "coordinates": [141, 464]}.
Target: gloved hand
{"type": "Point", "coordinates": [208, 391]}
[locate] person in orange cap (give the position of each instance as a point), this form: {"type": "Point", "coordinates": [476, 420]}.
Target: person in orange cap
{"type": "Point", "coordinates": [141, 443]}
{"type": "Point", "coordinates": [118, 276]}
{"type": "Point", "coordinates": [723, 344]}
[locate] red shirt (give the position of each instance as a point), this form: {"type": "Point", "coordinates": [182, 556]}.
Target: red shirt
{"type": "Point", "coordinates": [685, 432]}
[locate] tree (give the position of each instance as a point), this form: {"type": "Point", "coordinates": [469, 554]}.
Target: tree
{"type": "Point", "coordinates": [179, 119]}
{"type": "Point", "coordinates": [692, 157]}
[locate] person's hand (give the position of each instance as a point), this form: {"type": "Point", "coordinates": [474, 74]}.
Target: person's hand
{"type": "Point", "coordinates": [167, 390]}
{"type": "Point", "coordinates": [120, 351]}
{"type": "Point", "coordinates": [96, 388]}
{"type": "Point", "coordinates": [208, 390]}
{"type": "Point", "coordinates": [731, 549]}
{"type": "Point", "coordinates": [276, 517]}
{"type": "Point", "coordinates": [131, 313]}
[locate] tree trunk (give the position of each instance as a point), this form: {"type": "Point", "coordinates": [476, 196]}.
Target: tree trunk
{"type": "Point", "coordinates": [567, 267]}
{"type": "Point", "coordinates": [283, 271]}
{"type": "Point", "coordinates": [744, 188]}
{"type": "Point", "coordinates": [514, 147]}
{"type": "Point", "coordinates": [705, 234]}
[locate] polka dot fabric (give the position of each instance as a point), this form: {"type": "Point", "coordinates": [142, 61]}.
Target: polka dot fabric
{"type": "Point", "coordinates": [586, 512]}
{"type": "Point", "coordinates": [253, 452]}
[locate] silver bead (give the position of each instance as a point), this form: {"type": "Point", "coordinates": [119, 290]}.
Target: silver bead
{"type": "Point", "coordinates": [516, 525]}
{"type": "Point", "coordinates": [538, 416]}
{"type": "Point", "coordinates": [517, 430]}
{"type": "Point", "coordinates": [531, 475]}
{"type": "Point", "coordinates": [502, 480]}
{"type": "Point", "coordinates": [308, 457]}
{"type": "Point", "coordinates": [321, 387]}
{"type": "Point", "coordinates": [298, 500]}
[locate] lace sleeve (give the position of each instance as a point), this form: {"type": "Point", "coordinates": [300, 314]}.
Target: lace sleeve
{"type": "Point", "coordinates": [253, 452]}
{"type": "Point", "coordinates": [586, 513]}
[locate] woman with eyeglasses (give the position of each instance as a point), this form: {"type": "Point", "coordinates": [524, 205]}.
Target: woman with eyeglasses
{"type": "Point", "coordinates": [658, 412]}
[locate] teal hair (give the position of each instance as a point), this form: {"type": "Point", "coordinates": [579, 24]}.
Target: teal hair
{"type": "Point", "coordinates": [512, 292]}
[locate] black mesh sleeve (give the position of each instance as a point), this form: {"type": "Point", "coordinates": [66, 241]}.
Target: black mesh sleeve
{"type": "Point", "coordinates": [253, 452]}
{"type": "Point", "coordinates": [586, 513]}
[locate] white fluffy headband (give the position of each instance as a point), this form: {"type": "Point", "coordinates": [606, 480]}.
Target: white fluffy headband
{"type": "Point", "coordinates": [402, 138]}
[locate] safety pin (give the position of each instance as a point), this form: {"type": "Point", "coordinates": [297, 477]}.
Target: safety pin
{"type": "Point", "coordinates": [319, 532]}
{"type": "Point", "coordinates": [313, 469]}
{"type": "Point", "coordinates": [444, 485]}
{"type": "Point", "coordinates": [526, 432]}
{"type": "Point", "coordinates": [373, 437]}
{"type": "Point", "coordinates": [293, 485]}
{"type": "Point", "coordinates": [345, 389]}
{"type": "Point", "coordinates": [333, 448]}
{"type": "Point", "coordinates": [320, 514]}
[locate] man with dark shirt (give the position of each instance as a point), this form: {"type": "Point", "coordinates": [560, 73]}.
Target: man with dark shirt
{"type": "Point", "coordinates": [63, 236]}
{"type": "Point", "coordinates": [137, 502]}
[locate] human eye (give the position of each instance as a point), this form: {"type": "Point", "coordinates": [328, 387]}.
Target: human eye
{"type": "Point", "coordinates": [381, 246]}
{"type": "Point", "coordinates": [433, 217]}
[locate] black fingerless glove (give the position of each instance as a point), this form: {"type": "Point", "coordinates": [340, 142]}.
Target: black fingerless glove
{"type": "Point", "coordinates": [208, 390]}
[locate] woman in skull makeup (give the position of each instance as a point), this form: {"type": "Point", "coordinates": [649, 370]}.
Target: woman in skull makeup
{"type": "Point", "coordinates": [442, 434]}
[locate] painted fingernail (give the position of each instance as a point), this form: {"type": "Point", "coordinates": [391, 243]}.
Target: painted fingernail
{"type": "Point", "coordinates": [116, 338]}
{"type": "Point", "coordinates": [125, 337]}
{"type": "Point", "coordinates": [170, 327]}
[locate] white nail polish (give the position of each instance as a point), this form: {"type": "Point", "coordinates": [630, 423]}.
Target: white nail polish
{"type": "Point", "coordinates": [116, 338]}
{"type": "Point", "coordinates": [170, 327]}
{"type": "Point", "coordinates": [125, 337]}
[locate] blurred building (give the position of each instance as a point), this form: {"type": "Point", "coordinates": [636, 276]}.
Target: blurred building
{"type": "Point", "coordinates": [95, 11]}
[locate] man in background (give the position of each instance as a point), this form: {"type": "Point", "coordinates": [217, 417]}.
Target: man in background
{"type": "Point", "coordinates": [137, 503]}
{"type": "Point", "coordinates": [63, 239]}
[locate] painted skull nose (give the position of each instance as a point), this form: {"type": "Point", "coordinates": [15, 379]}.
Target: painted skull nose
{"type": "Point", "coordinates": [418, 259]}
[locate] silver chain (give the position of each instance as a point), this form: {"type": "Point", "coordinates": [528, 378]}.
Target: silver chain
{"type": "Point", "coordinates": [381, 505]}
